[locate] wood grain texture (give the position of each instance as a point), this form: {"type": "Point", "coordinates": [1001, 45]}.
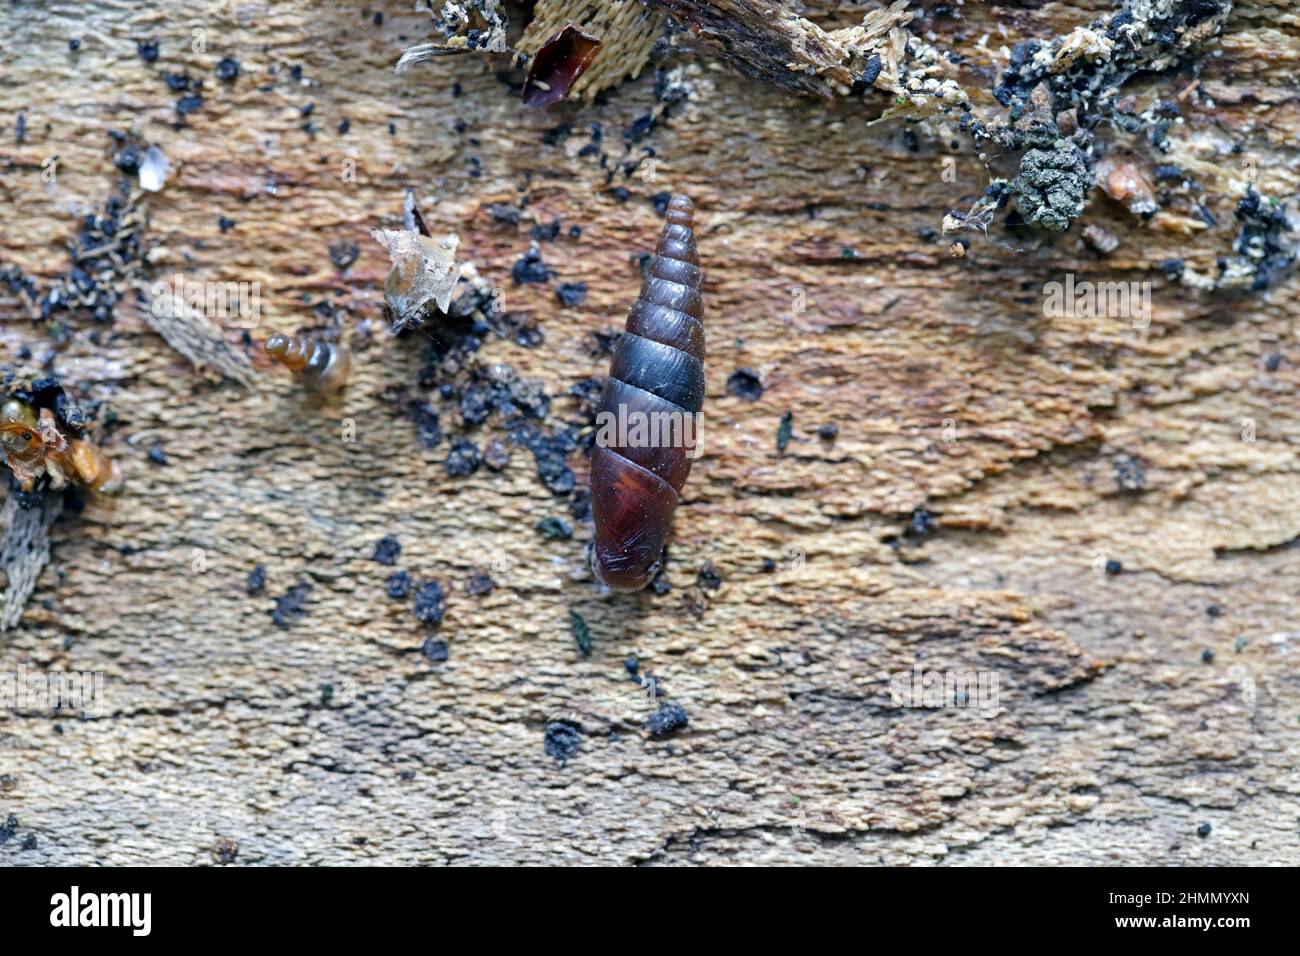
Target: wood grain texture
{"type": "Point", "coordinates": [226, 738]}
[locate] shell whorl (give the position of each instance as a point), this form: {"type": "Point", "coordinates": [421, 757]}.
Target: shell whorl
{"type": "Point", "coordinates": [657, 369]}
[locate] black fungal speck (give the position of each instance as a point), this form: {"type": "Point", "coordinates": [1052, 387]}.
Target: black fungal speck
{"type": "Point", "coordinates": [463, 459]}
{"type": "Point", "coordinates": [745, 383]}
{"type": "Point", "coordinates": [1129, 474]}
{"type": "Point", "coordinates": [227, 69]}
{"type": "Point", "coordinates": [257, 579]}
{"type": "Point", "coordinates": [667, 719]}
{"type": "Point", "coordinates": [562, 740]}
{"type": "Point", "coordinates": [783, 431]}
{"type": "Point", "coordinates": [530, 268]}
{"type": "Point", "coordinates": [571, 294]}
{"type": "Point", "coordinates": [872, 71]}
{"type": "Point", "coordinates": [344, 253]}
{"type": "Point", "coordinates": [554, 529]}
{"type": "Point", "coordinates": [430, 603]}
{"type": "Point", "coordinates": [435, 651]}
{"type": "Point", "coordinates": [581, 633]}
{"type": "Point", "coordinates": [147, 49]}
{"type": "Point", "coordinates": [479, 584]}
{"type": "Point", "coordinates": [387, 550]}
{"type": "Point", "coordinates": [398, 585]}
{"type": "Point", "coordinates": [920, 523]}
{"type": "Point", "coordinates": [289, 606]}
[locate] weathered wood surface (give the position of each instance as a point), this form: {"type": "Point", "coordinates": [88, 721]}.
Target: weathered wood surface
{"type": "Point", "coordinates": [337, 741]}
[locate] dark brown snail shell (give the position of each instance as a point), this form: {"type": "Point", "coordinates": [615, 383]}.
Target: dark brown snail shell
{"type": "Point", "coordinates": [658, 367]}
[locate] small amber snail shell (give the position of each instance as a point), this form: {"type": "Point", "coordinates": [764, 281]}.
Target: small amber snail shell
{"type": "Point", "coordinates": [321, 365]}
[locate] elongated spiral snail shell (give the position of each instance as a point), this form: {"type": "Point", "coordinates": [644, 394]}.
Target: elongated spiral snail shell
{"type": "Point", "coordinates": [657, 370]}
{"type": "Point", "coordinates": [321, 365]}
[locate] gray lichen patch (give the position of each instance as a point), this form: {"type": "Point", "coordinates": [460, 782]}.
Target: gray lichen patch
{"type": "Point", "coordinates": [1052, 185]}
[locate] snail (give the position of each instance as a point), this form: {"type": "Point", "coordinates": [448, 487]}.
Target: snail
{"type": "Point", "coordinates": [424, 271]}
{"type": "Point", "coordinates": [649, 411]}
{"type": "Point", "coordinates": [322, 366]}
{"type": "Point", "coordinates": [33, 446]}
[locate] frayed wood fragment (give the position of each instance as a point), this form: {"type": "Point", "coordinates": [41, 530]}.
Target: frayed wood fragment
{"type": "Point", "coordinates": [24, 548]}
{"type": "Point", "coordinates": [193, 334]}
{"type": "Point", "coordinates": [782, 50]}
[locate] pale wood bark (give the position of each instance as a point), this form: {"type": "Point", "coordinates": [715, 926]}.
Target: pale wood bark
{"type": "Point", "coordinates": [336, 740]}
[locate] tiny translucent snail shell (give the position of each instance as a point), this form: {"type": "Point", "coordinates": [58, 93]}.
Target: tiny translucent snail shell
{"type": "Point", "coordinates": [321, 365]}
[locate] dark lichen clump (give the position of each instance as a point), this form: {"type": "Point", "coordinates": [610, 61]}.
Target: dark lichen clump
{"type": "Point", "coordinates": [1262, 238]}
